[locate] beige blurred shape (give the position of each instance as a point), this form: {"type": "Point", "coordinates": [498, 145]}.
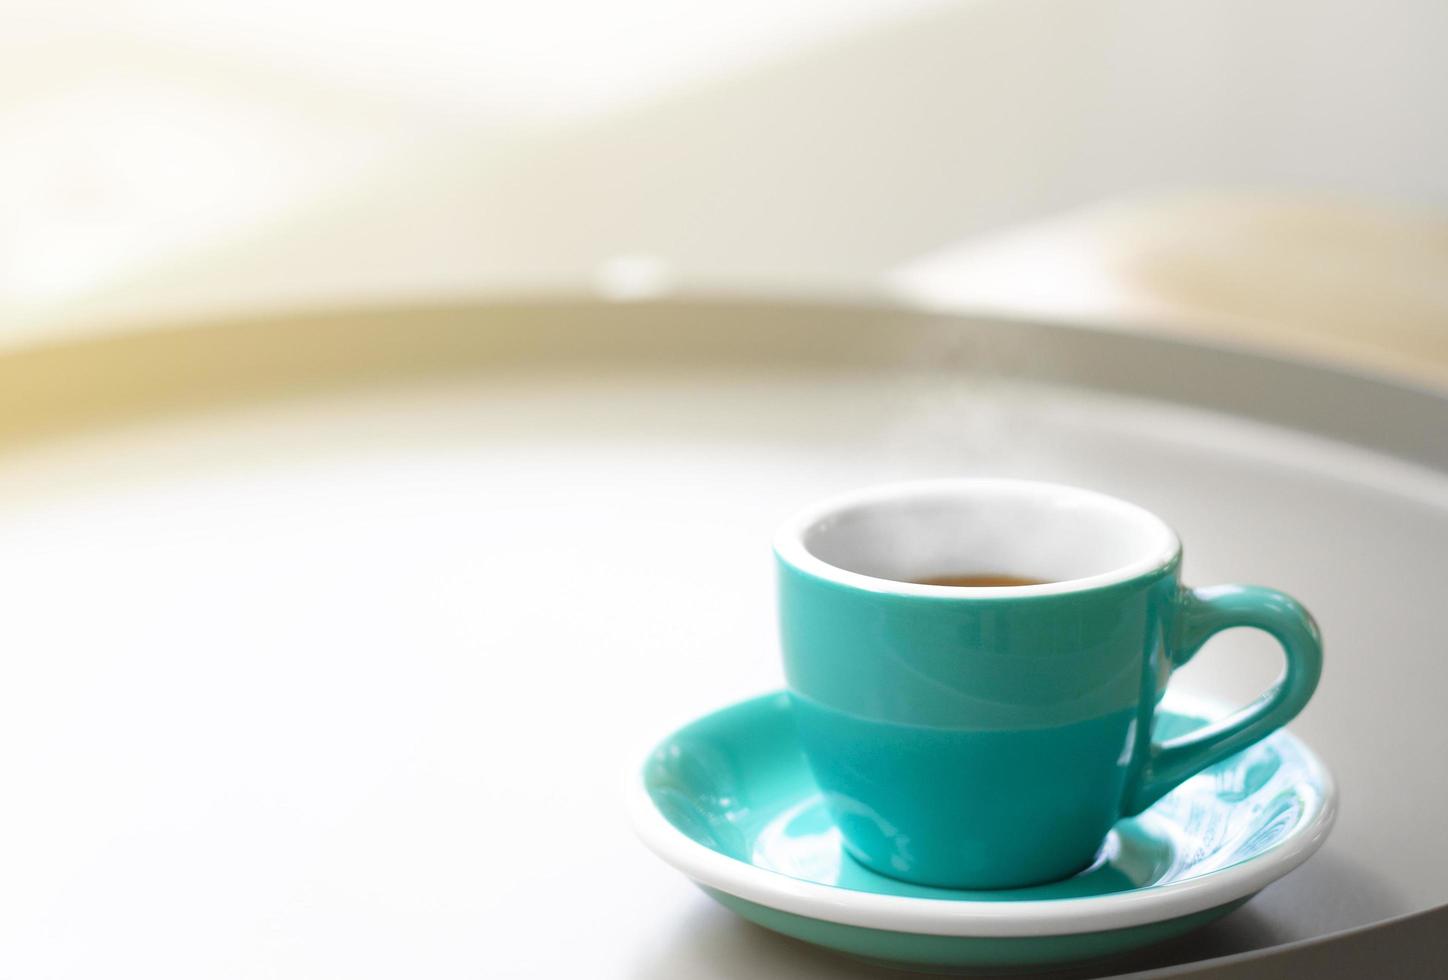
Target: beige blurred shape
{"type": "Point", "coordinates": [1337, 279]}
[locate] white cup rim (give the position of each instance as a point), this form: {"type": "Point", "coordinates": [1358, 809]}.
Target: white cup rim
{"type": "Point", "coordinates": [1162, 546]}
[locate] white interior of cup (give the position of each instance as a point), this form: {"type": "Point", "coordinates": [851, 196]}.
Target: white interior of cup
{"type": "Point", "coordinates": [890, 537]}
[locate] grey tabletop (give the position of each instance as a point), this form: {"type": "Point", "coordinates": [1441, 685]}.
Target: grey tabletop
{"type": "Point", "coordinates": [341, 629]}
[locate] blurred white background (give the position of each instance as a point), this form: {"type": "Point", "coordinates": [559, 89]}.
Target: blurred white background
{"type": "Point", "coordinates": [1269, 169]}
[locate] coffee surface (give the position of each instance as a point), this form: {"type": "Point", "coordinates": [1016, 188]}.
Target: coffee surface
{"type": "Point", "coordinates": [980, 580]}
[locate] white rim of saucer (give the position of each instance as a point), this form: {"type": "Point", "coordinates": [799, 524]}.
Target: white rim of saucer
{"type": "Point", "coordinates": [789, 540]}
{"type": "Point", "coordinates": [978, 919]}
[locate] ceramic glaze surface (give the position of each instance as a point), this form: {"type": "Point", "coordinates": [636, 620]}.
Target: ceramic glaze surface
{"type": "Point", "coordinates": [968, 954]}
{"type": "Point", "coordinates": [738, 784]}
{"type": "Point", "coordinates": [946, 805]}
{"type": "Point", "coordinates": [991, 737]}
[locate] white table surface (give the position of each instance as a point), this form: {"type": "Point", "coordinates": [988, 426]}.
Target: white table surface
{"type": "Point", "coordinates": [345, 684]}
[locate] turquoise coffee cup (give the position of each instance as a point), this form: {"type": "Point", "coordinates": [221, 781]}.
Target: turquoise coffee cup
{"type": "Point", "coordinates": [989, 737]}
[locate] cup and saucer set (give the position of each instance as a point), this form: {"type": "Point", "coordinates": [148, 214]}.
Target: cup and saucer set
{"type": "Point", "coordinates": [976, 766]}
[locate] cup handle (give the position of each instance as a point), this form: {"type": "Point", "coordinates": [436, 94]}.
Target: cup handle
{"type": "Point", "coordinates": [1207, 611]}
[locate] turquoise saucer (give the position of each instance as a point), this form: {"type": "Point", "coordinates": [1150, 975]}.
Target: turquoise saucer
{"type": "Point", "coordinates": [730, 802]}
